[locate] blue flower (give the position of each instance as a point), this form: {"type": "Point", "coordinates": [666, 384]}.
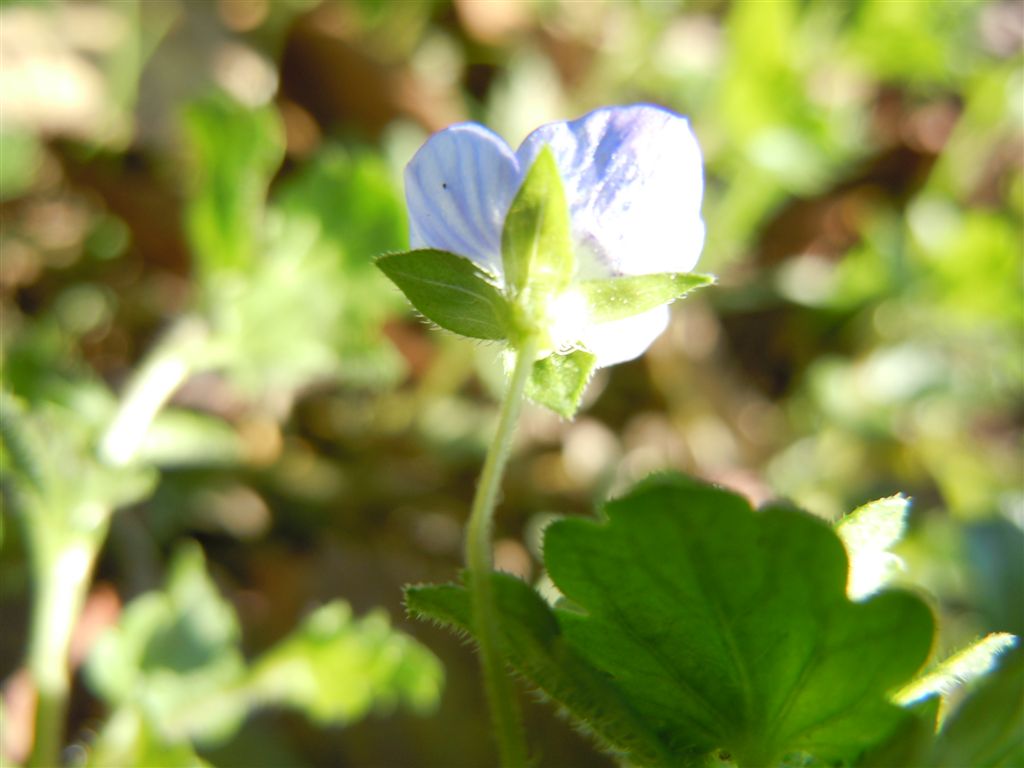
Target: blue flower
{"type": "Point", "coordinates": [633, 183]}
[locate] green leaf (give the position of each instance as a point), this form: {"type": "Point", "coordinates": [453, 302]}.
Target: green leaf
{"type": "Point", "coordinates": [868, 533]}
{"type": "Point", "coordinates": [451, 291]}
{"type": "Point", "coordinates": [616, 298]}
{"type": "Point", "coordinates": [536, 247]}
{"type": "Point", "coordinates": [235, 151]}
{"type": "Point", "coordinates": [173, 655]}
{"type": "Point", "coordinates": [534, 645]}
{"type": "Point", "coordinates": [987, 731]}
{"type": "Point", "coordinates": [558, 381]}
{"type": "Point", "coordinates": [337, 669]}
{"type": "Point", "coordinates": [719, 628]}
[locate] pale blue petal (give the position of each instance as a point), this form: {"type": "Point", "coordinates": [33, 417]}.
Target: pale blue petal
{"type": "Point", "coordinates": [633, 178]}
{"type": "Point", "coordinates": [621, 340]}
{"type": "Point", "coordinates": [458, 188]}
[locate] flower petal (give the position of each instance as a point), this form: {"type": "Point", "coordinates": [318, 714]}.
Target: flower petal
{"type": "Point", "coordinates": [458, 188]}
{"type": "Point", "coordinates": [633, 178]}
{"type": "Point", "coordinates": [621, 340]}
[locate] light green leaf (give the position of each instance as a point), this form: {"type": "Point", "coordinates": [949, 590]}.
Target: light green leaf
{"type": "Point", "coordinates": [337, 669]}
{"type": "Point", "coordinates": [558, 381]}
{"type": "Point", "coordinates": [616, 298]}
{"type": "Point", "coordinates": [717, 628]}
{"type": "Point", "coordinates": [536, 248]}
{"type": "Point", "coordinates": [867, 533]}
{"type": "Point", "coordinates": [173, 655]}
{"type": "Point", "coordinates": [451, 291]}
{"type": "Point", "coordinates": [235, 151]}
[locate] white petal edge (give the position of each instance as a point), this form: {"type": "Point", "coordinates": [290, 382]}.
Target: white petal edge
{"type": "Point", "coordinates": [458, 189]}
{"type": "Point", "coordinates": [634, 180]}
{"type": "Point", "coordinates": [621, 340]}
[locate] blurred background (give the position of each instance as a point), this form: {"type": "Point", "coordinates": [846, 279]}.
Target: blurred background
{"type": "Point", "coordinates": [225, 171]}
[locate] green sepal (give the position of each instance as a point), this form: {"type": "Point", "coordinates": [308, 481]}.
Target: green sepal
{"type": "Point", "coordinates": [558, 381]}
{"type": "Point", "coordinates": [616, 298]}
{"type": "Point", "coordinates": [451, 291]}
{"type": "Point", "coordinates": [536, 247]}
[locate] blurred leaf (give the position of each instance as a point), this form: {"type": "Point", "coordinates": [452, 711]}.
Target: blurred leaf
{"type": "Point", "coordinates": [617, 298]}
{"type": "Point", "coordinates": [57, 482]}
{"type": "Point", "coordinates": [22, 154]}
{"type": "Point", "coordinates": [313, 305]}
{"type": "Point", "coordinates": [868, 533]}
{"type": "Point", "coordinates": [337, 669]}
{"type": "Point", "coordinates": [760, 666]}
{"type": "Point", "coordinates": [235, 151]}
{"type": "Point", "coordinates": [174, 656]}
{"type": "Point", "coordinates": [129, 739]}
{"type": "Point", "coordinates": [536, 250]}
{"type": "Point", "coordinates": [187, 438]}
{"type": "Point", "coordinates": [987, 730]}
{"type": "Point", "coordinates": [451, 291]}
{"type": "Point", "coordinates": [559, 381]}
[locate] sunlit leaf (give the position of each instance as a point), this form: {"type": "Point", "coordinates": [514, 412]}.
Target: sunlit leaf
{"type": "Point", "coordinates": [868, 533]}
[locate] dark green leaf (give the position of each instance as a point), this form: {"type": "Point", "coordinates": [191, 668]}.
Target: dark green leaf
{"type": "Point", "coordinates": [451, 291]}
{"type": "Point", "coordinates": [558, 381]}
{"type": "Point", "coordinates": [616, 298]}
{"type": "Point", "coordinates": [535, 647]}
{"type": "Point", "coordinates": [716, 627]}
{"type": "Point", "coordinates": [536, 248]}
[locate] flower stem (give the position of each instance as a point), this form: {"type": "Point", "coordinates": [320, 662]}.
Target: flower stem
{"type": "Point", "coordinates": [505, 716]}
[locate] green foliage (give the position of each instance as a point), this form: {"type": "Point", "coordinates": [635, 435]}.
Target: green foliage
{"type": "Point", "coordinates": [289, 285]}
{"type": "Point", "coordinates": [704, 626]}
{"type": "Point", "coordinates": [174, 675]}
{"type": "Point", "coordinates": [235, 152]}
{"type": "Point", "coordinates": [621, 297]}
{"type": "Point", "coordinates": [558, 381]}
{"type": "Point", "coordinates": [451, 291]}
{"type": "Point", "coordinates": [536, 249]}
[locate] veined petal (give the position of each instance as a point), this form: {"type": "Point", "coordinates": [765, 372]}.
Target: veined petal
{"type": "Point", "coordinates": [621, 340]}
{"type": "Point", "coordinates": [458, 188]}
{"type": "Point", "coordinates": [634, 181]}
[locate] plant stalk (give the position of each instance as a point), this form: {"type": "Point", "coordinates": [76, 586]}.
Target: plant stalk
{"type": "Point", "coordinates": [508, 726]}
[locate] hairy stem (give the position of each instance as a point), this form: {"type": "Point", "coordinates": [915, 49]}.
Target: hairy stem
{"type": "Point", "coordinates": [508, 725]}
